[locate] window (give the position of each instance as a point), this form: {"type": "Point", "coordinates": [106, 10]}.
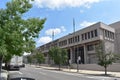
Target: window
{"type": "Point", "coordinates": [105, 33]}
{"type": "Point", "coordinates": [90, 47]}
{"type": "Point", "coordinates": [75, 38]}
{"type": "Point", "coordinates": [92, 35]}
{"type": "Point", "coordinates": [59, 43]}
{"type": "Point", "coordinates": [82, 36]}
{"type": "Point", "coordinates": [85, 35]}
{"type": "Point", "coordinates": [78, 39]}
{"type": "Point", "coordinates": [96, 34]}
{"type": "Point", "coordinates": [113, 35]}
{"type": "Point", "coordinates": [88, 35]}
{"type": "Point", "coordinates": [65, 42]}
{"type": "Point", "coordinates": [108, 34]}
{"type": "Point", "coordinates": [69, 41]}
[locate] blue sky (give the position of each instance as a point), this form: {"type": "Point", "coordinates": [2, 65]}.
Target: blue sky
{"type": "Point", "coordinates": [60, 14]}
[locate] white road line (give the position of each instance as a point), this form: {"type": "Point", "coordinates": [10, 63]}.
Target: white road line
{"type": "Point", "coordinates": [15, 72]}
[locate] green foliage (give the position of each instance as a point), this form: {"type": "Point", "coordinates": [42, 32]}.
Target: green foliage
{"type": "Point", "coordinates": [29, 59]}
{"type": "Point", "coordinates": [105, 58]}
{"type": "Point", "coordinates": [58, 55]}
{"type": "Point", "coordinates": [17, 34]}
{"type": "Point", "coordinates": [7, 58]}
{"type": "Point", "coordinates": [39, 57]}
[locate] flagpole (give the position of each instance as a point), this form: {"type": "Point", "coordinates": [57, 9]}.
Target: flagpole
{"type": "Point", "coordinates": [74, 46]}
{"type": "Point", "coordinates": [73, 25]}
{"type": "Point", "coordinates": [53, 35]}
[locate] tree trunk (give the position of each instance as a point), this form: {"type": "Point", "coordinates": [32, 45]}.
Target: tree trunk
{"type": "Point", "coordinates": [59, 67]}
{"type": "Point", "coordinates": [105, 70]}
{"type": "Point", "coordinates": [1, 58]}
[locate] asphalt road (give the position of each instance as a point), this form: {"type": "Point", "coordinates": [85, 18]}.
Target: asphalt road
{"type": "Point", "coordinates": [42, 74]}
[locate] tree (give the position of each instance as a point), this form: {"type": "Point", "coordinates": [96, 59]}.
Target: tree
{"type": "Point", "coordinates": [29, 59]}
{"type": "Point", "coordinates": [39, 57]}
{"type": "Point", "coordinates": [17, 34]}
{"type": "Point", "coordinates": [105, 58]}
{"type": "Point", "coordinates": [6, 60]}
{"type": "Point", "coordinates": [58, 55]}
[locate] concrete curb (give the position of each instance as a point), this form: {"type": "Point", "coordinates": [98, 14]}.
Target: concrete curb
{"type": "Point", "coordinates": [88, 72]}
{"type": "Point", "coordinates": [4, 75]}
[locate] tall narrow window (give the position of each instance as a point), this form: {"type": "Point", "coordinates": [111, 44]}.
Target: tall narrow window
{"type": "Point", "coordinates": [96, 34]}
{"type": "Point", "coordinates": [105, 33]}
{"type": "Point", "coordinates": [82, 36]}
{"type": "Point", "coordinates": [88, 35]}
{"type": "Point", "coordinates": [69, 41]}
{"type": "Point", "coordinates": [113, 35]}
{"type": "Point", "coordinates": [92, 34]}
{"type": "Point", "coordinates": [85, 36]}
{"type": "Point", "coordinates": [108, 34]}
{"type": "Point", "coordinates": [75, 38]}
{"type": "Point", "coordinates": [78, 39]}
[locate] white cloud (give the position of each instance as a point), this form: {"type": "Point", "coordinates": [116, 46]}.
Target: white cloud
{"type": "Point", "coordinates": [57, 4]}
{"type": "Point", "coordinates": [86, 24]}
{"type": "Point", "coordinates": [63, 28]}
{"type": "Point", "coordinates": [44, 40]}
{"type": "Point", "coordinates": [55, 30]}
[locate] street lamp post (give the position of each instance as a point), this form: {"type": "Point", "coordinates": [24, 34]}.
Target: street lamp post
{"type": "Point", "coordinates": [78, 59]}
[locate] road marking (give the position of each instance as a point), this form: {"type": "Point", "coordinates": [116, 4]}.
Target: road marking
{"type": "Point", "coordinates": [15, 72]}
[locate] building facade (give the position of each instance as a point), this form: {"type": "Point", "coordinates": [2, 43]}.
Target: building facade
{"type": "Point", "coordinates": [83, 42]}
{"type": "Point", "coordinates": [116, 26]}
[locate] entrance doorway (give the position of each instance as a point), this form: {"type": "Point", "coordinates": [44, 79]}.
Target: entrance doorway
{"type": "Point", "coordinates": [79, 51]}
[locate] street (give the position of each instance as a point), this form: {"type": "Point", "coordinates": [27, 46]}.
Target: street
{"type": "Point", "coordinates": [43, 74]}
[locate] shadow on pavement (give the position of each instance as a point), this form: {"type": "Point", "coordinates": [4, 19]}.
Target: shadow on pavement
{"type": "Point", "coordinates": [22, 78]}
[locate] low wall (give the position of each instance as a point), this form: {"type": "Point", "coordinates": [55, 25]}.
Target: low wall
{"type": "Point", "coordinates": [114, 67]}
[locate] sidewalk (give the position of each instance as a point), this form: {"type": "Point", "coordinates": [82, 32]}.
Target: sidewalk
{"type": "Point", "coordinates": [88, 72]}
{"type": "Point", "coordinates": [4, 75]}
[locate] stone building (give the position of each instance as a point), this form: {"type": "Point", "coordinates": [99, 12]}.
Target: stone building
{"type": "Point", "coordinates": [82, 43]}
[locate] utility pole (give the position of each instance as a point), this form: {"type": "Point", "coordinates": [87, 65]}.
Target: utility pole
{"type": "Point", "coordinates": [53, 35]}
{"type": "Point", "coordinates": [78, 58]}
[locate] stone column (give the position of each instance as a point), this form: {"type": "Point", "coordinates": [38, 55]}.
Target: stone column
{"type": "Point", "coordinates": [85, 54]}
{"type": "Point", "coordinates": [71, 55]}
